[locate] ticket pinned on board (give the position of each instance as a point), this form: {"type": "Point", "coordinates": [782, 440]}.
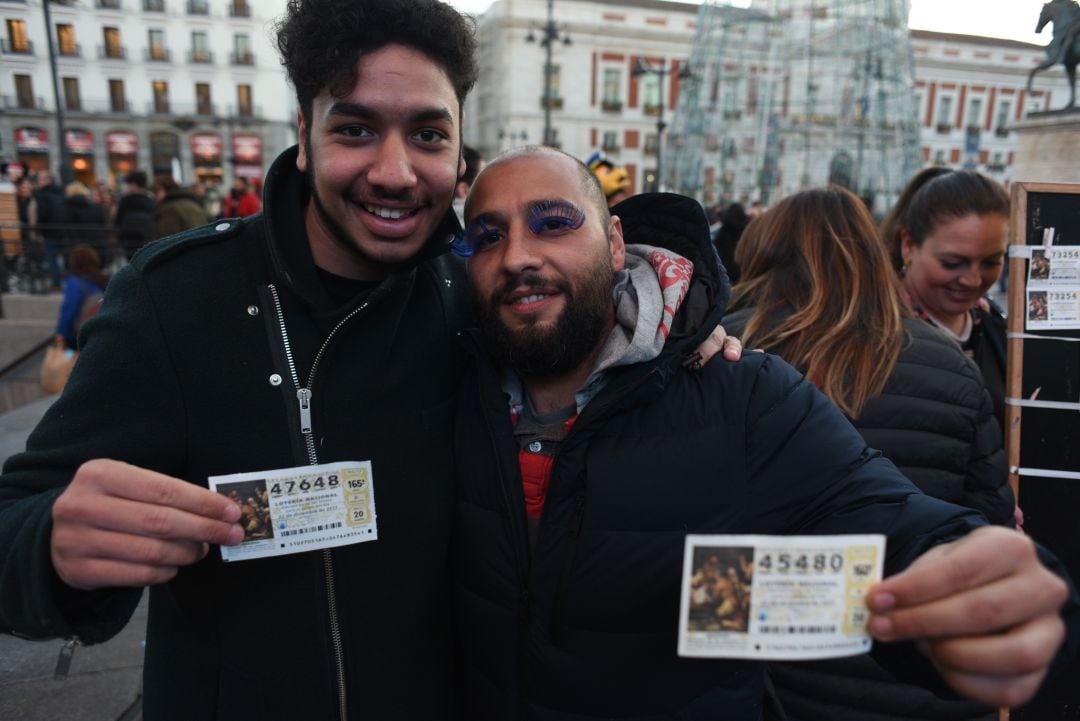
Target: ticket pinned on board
{"type": "Point", "coordinates": [291, 510]}
{"type": "Point", "coordinates": [781, 598]}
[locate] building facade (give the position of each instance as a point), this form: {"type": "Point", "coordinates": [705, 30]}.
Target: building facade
{"type": "Point", "coordinates": [187, 88]}
{"type": "Point", "coordinates": [967, 90]}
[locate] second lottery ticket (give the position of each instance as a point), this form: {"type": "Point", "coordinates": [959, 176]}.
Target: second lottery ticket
{"type": "Point", "coordinates": [777, 597]}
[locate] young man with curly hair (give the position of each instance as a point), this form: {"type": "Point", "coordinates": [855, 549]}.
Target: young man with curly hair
{"type": "Point", "coordinates": [321, 330]}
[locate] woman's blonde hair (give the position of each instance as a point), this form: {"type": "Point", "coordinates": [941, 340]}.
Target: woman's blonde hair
{"type": "Point", "coordinates": [817, 275]}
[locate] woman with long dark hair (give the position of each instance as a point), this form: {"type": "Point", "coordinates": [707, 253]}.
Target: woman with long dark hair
{"type": "Point", "coordinates": [818, 289]}
{"type": "Point", "coordinates": [947, 237]}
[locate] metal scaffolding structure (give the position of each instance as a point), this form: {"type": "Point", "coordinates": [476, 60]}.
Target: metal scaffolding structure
{"type": "Point", "coordinates": [791, 94]}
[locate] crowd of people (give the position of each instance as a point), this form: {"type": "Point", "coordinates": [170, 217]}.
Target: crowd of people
{"type": "Point", "coordinates": [545, 423]}
{"type": "Point", "coordinates": [53, 220]}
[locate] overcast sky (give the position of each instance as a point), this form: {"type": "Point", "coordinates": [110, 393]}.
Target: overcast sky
{"type": "Point", "coordinates": [1013, 19]}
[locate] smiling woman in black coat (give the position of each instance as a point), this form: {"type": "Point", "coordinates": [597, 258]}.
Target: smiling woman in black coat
{"type": "Point", "coordinates": [818, 290]}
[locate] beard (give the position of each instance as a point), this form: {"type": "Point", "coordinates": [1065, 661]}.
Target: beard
{"type": "Point", "coordinates": [544, 352]}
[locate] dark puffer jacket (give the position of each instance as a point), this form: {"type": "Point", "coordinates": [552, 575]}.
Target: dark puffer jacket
{"type": "Point", "coordinates": [935, 421]}
{"type": "Point", "coordinates": [584, 626]}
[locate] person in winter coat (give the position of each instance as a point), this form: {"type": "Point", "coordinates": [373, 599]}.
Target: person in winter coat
{"type": "Point", "coordinates": [947, 236]}
{"type": "Point", "coordinates": [84, 219]}
{"type": "Point", "coordinates": [586, 451]}
{"type": "Point", "coordinates": [818, 290]}
{"type": "Point", "coordinates": [241, 200]}
{"type": "Point", "coordinates": [47, 218]}
{"type": "Point", "coordinates": [177, 209]}
{"type": "Point", "coordinates": [134, 219]}
{"type": "Point", "coordinates": [83, 289]}
{"type": "Point", "coordinates": [733, 221]}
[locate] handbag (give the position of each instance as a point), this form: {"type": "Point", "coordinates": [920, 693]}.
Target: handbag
{"type": "Point", "coordinates": [55, 369]}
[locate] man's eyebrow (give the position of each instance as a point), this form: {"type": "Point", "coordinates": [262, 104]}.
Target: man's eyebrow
{"type": "Point", "coordinates": [345, 108]}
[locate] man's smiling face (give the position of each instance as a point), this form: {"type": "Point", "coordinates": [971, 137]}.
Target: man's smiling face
{"type": "Point", "coordinates": [382, 162]}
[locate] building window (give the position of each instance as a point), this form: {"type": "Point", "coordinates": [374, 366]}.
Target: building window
{"type": "Point", "coordinates": [161, 96]}
{"type": "Point", "coordinates": [239, 9]}
{"type": "Point", "coordinates": [556, 98]}
{"type": "Point", "coordinates": [198, 7]}
{"type": "Point", "coordinates": [974, 114]}
{"type": "Point", "coordinates": [113, 48]}
{"type": "Point", "coordinates": [153, 6]}
{"type": "Point", "coordinates": [203, 106]}
{"type": "Point", "coordinates": [17, 41]}
{"type": "Point", "coordinates": [650, 143]}
{"type": "Point", "coordinates": [939, 157]}
{"type": "Point", "coordinates": [156, 49]}
{"type": "Point", "coordinates": [944, 116]}
{"type": "Point", "coordinates": [997, 164]}
{"type": "Point", "coordinates": [612, 90]}
{"type": "Point", "coordinates": [72, 101]}
{"type": "Point", "coordinates": [1004, 113]}
{"type": "Point", "coordinates": [242, 50]}
{"type": "Point", "coordinates": [650, 93]}
{"type": "Point", "coordinates": [24, 91]}
{"type": "Point", "coordinates": [200, 47]}
{"type": "Point", "coordinates": [117, 97]}
{"type": "Point", "coordinates": [108, 4]}
{"type": "Point", "coordinates": [244, 107]}
{"type": "Point", "coordinates": [65, 40]}
{"type": "Point", "coordinates": [611, 141]}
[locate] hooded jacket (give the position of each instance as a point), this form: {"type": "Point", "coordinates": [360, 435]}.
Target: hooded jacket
{"type": "Point", "coordinates": [185, 371]}
{"type": "Point", "coordinates": [583, 626]}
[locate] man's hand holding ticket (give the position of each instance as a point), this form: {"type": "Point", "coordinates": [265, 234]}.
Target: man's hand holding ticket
{"type": "Point", "coordinates": [983, 609]}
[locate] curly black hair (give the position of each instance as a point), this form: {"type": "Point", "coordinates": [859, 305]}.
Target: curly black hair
{"type": "Point", "coordinates": [321, 41]}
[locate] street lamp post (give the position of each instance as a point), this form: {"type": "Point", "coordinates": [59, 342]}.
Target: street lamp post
{"type": "Point", "coordinates": [550, 32]}
{"type": "Point", "coordinates": [66, 173]}
{"type": "Point", "coordinates": [642, 68]}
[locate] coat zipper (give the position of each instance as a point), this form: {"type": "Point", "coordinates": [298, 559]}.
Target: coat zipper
{"type": "Point", "coordinates": [303, 398]}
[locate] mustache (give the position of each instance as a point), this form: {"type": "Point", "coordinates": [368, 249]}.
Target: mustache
{"type": "Point", "coordinates": [528, 281]}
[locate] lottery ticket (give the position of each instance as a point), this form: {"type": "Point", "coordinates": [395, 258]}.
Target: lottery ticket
{"type": "Point", "coordinates": [1053, 307]}
{"type": "Point", "coordinates": [291, 510]}
{"type": "Point", "coordinates": [777, 597]}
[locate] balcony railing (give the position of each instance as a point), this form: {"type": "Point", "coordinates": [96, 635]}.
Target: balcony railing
{"type": "Point", "coordinates": [611, 147]}
{"type": "Point", "coordinates": [241, 59]}
{"type": "Point", "coordinates": [239, 10]}
{"type": "Point", "coordinates": [158, 107]}
{"type": "Point", "coordinates": [9, 48]}
{"type": "Point", "coordinates": [198, 7]}
{"type": "Point", "coordinates": [15, 102]}
{"type": "Point", "coordinates": [118, 52]}
{"type": "Point", "coordinates": [1001, 131]}
{"type": "Point", "coordinates": [653, 110]}
{"type": "Point", "coordinates": [108, 4]}
{"type": "Point", "coordinates": [554, 103]}
{"type": "Point", "coordinates": [944, 128]}
{"type": "Point", "coordinates": [153, 6]}
{"type": "Point", "coordinates": [200, 56]}
{"type": "Point", "coordinates": [611, 106]}
{"type": "Point", "coordinates": [245, 112]}
{"type": "Point", "coordinates": [157, 55]}
{"type": "Point", "coordinates": [73, 50]}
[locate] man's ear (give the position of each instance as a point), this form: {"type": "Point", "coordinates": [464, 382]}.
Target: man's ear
{"type": "Point", "coordinates": [301, 127]}
{"type": "Point", "coordinates": [618, 246]}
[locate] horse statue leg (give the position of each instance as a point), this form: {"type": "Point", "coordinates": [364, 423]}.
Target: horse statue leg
{"type": "Point", "coordinates": [1044, 65]}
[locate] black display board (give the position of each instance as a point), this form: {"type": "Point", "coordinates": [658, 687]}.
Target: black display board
{"type": "Point", "coordinates": [1043, 415]}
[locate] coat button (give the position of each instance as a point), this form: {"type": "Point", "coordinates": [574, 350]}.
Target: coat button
{"type": "Point", "coordinates": [221, 227]}
{"type": "Point", "coordinates": [535, 446]}
{"type": "Point", "coordinates": [275, 379]}
{"type": "Point", "coordinates": [253, 310]}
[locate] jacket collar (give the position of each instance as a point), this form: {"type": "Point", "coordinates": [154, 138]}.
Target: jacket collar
{"type": "Point", "coordinates": [285, 199]}
{"type": "Point", "coordinates": [678, 223]}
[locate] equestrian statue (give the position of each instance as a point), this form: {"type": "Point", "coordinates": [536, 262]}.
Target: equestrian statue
{"type": "Point", "coordinates": [1064, 48]}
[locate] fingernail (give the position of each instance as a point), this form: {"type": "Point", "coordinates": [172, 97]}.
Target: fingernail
{"type": "Point", "coordinates": [236, 534]}
{"type": "Point", "coordinates": [231, 514]}
{"type": "Point", "coordinates": [880, 602]}
{"type": "Point", "coordinates": [880, 626]}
